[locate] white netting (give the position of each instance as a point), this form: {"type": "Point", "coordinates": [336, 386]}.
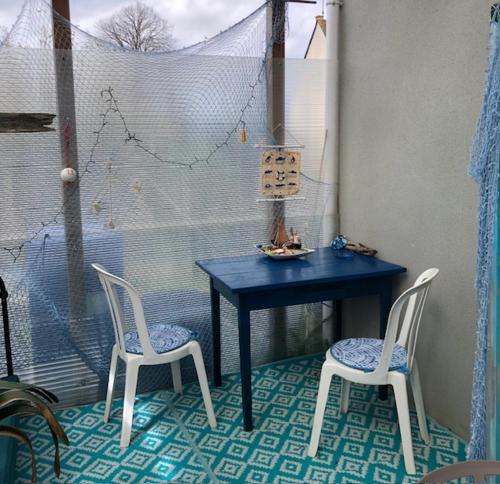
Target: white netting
{"type": "Point", "coordinates": [164, 180]}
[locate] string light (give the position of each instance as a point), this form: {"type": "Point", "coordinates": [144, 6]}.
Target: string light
{"type": "Point", "coordinates": [130, 137]}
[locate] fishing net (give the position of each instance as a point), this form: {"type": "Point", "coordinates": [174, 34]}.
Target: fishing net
{"type": "Point", "coordinates": [484, 168]}
{"type": "Point", "coordinates": [165, 177]}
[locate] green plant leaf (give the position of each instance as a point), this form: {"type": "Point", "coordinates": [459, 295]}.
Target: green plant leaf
{"type": "Point", "coordinates": [41, 392]}
{"type": "Point", "coordinates": [18, 410]}
{"type": "Point", "coordinates": [17, 399]}
{"type": "Point", "coordinates": [17, 434]}
{"type": "Point", "coordinates": [10, 385]}
{"type": "Point", "coordinates": [12, 396]}
{"type": "Point", "coordinates": [57, 456]}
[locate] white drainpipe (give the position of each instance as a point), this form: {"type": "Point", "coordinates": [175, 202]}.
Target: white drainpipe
{"type": "Point", "coordinates": [331, 157]}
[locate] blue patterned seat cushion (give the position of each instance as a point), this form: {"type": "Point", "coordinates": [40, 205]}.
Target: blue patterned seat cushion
{"type": "Point", "coordinates": [364, 354]}
{"type": "Point", "coordinates": [163, 337]}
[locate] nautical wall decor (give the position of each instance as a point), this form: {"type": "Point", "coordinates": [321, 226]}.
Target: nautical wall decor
{"type": "Point", "coordinates": [280, 172]}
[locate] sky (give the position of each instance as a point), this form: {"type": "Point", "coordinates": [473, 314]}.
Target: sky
{"type": "Point", "coordinates": [192, 20]}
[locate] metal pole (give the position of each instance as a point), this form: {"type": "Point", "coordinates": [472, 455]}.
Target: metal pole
{"type": "Point", "coordinates": [331, 162]}
{"type": "Point", "coordinates": [6, 330]}
{"type": "Point", "coordinates": [63, 60]}
{"type": "Point", "coordinates": [330, 168]}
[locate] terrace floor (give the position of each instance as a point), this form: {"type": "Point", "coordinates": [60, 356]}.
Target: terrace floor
{"type": "Point", "coordinates": [171, 439]}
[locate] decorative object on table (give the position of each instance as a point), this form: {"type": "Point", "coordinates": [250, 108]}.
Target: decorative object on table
{"type": "Point", "coordinates": [280, 237]}
{"type": "Point", "coordinates": [342, 242]}
{"type": "Point", "coordinates": [21, 399]}
{"type": "Point", "coordinates": [339, 242]}
{"type": "Point", "coordinates": [280, 172]}
{"type": "Point", "coordinates": [295, 241]}
{"type": "Point", "coordinates": [282, 253]}
{"type": "Point", "coordinates": [283, 246]}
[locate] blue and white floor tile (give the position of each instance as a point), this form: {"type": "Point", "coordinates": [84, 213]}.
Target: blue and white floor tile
{"type": "Point", "coordinates": [172, 441]}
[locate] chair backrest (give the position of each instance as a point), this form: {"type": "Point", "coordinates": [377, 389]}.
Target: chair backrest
{"type": "Point", "coordinates": [110, 282]}
{"type": "Point", "coordinates": [414, 300]}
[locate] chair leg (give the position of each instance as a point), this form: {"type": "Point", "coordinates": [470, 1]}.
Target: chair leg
{"type": "Point", "coordinates": [401, 395]}
{"type": "Point", "coordinates": [419, 402]}
{"type": "Point", "coordinates": [176, 376]}
{"type": "Point", "coordinates": [128, 402]}
{"type": "Point", "coordinates": [202, 378]}
{"type": "Point", "coordinates": [344, 395]}
{"type": "Point", "coordinates": [111, 383]}
{"type": "Point", "coordinates": [324, 388]}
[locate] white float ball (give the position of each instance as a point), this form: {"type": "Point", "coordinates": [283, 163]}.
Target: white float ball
{"type": "Point", "coordinates": [68, 175]}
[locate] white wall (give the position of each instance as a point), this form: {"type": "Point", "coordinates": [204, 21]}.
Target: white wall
{"type": "Point", "coordinates": [317, 48]}
{"type": "Point", "coordinates": [412, 83]}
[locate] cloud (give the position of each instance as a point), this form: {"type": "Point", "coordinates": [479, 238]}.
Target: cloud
{"type": "Point", "coordinates": [9, 10]}
{"type": "Point", "coordinates": [192, 20]}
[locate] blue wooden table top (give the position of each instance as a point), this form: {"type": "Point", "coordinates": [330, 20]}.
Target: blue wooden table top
{"type": "Point", "coordinates": [259, 272]}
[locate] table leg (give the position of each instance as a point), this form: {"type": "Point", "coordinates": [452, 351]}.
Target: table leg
{"type": "Point", "coordinates": [215, 307]}
{"type": "Point", "coordinates": [385, 309]}
{"type": "Point", "coordinates": [337, 323]}
{"type": "Point", "coordinates": [245, 365]}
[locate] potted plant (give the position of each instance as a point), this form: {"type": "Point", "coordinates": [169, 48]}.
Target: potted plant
{"type": "Point", "coordinates": [21, 399]}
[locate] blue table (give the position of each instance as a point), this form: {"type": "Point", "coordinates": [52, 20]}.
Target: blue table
{"type": "Point", "coordinates": [257, 282]}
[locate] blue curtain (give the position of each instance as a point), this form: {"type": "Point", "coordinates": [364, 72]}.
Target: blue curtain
{"type": "Point", "coordinates": [484, 168]}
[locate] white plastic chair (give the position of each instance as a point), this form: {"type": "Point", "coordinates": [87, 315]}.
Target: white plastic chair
{"type": "Point", "coordinates": [382, 362]}
{"type": "Point", "coordinates": [155, 345]}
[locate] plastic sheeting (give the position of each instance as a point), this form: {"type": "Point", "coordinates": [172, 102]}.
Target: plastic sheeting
{"type": "Point", "coordinates": [164, 180]}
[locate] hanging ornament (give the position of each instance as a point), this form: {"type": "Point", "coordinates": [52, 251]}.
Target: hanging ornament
{"type": "Point", "coordinates": [280, 172]}
{"type": "Point", "coordinates": [96, 207]}
{"type": "Point", "coordinates": [68, 175]}
{"type": "Point", "coordinates": [109, 166]}
{"type": "Point", "coordinates": [244, 134]}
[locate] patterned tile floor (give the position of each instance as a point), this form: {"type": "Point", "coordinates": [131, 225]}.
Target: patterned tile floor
{"type": "Point", "coordinates": [173, 442]}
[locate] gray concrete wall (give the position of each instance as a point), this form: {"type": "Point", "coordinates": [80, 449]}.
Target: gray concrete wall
{"type": "Point", "coordinates": [412, 82]}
